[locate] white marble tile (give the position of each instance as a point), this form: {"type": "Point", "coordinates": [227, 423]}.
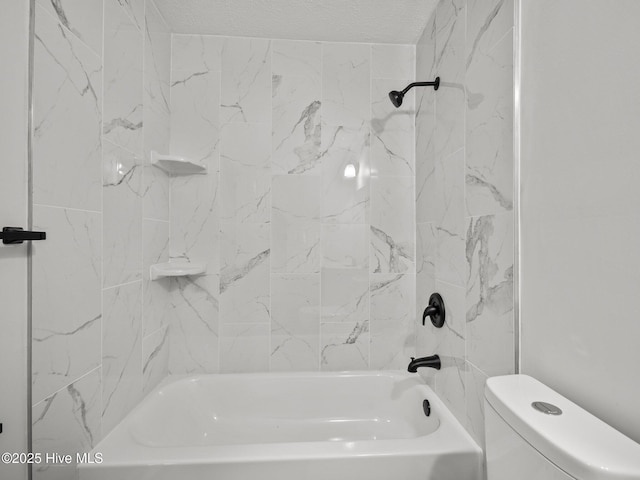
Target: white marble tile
{"type": "Point", "coordinates": [393, 61]}
{"type": "Point", "coordinates": [247, 145]}
{"type": "Point", "coordinates": [449, 381]}
{"type": "Point", "coordinates": [450, 66]}
{"type": "Point", "coordinates": [121, 352]}
{"type": "Point", "coordinates": [155, 194]}
{"type": "Point", "coordinates": [67, 422]}
{"type": "Point", "coordinates": [296, 125]}
{"type": "Point", "coordinates": [246, 80]}
{"type": "Point", "coordinates": [475, 381]}
{"type": "Point", "coordinates": [123, 85]}
{"type": "Point", "coordinates": [346, 71]}
{"type": "Point", "coordinates": [489, 310]}
{"type": "Point", "coordinates": [134, 9]}
{"type": "Point", "coordinates": [155, 358]}
{"type": "Point", "coordinates": [195, 219]}
{"type": "Point", "coordinates": [345, 246]}
{"type": "Point", "coordinates": [392, 131]}
{"type": "Point", "coordinates": [295, 322]}
{"type": "Point", "coordinates": [244, 273]}
{"type": "Point", "coordinates": [295, 298]}
{"type": "Point", "coordinates": [487, 23]}
{"type": "Point", "coordinates": [296, 224]}
{"type": "Point", "coordinates": [294, 350]}
{"type": "Point", "coordinates": [195, 107]}
{"type": "Point", "coordinates": [67, 304]}
{"type": "Point", "coordinates": [195, 53]}
{"type": "Point", "coordinates": [450, 257]}
{"type": "Point", "coordinates": [344, 346]}
{"type": "Point", "coordinates": [345, 295]}
{"type": "Point", "coordinates": [450, 265]}
{"type": "Point", "coordinates": [157, 44]}
{"type": "Point", "coordinates": [245, 176]}
{"type": "Point", "coordinates": [489, 132]}
{"type": "Point", "coordinates": [296, 58]}
{"type": "Point", "coordinates": [67, 115]}
{"type": "Point", "coordinates": [345, 199]}
{"type": "Point", "coordinates": [244, 348]}
{"type": "Point", "coordinates": [426, 244]}
{"type": "Point", "coordinates": [194, 332]}
{"type": "Point", "coordinates": [297, 197]}
{"type": "Point", "coordinates": [122, 216]}
{"type": "Point", "coordinates": [450, 192]}
{"type": "Point", "coordinates": [392, 225]}
{"type": "Point", "coordinates": [425, 127]}
{"type": "Point", "coordinates": [426, 49]}
{"type": "Point", "coordinates": [81, 17]}
{"type": "Point", "coordinates": [156, 112]}
{"type": "Point", "coordinates": [156, 293]}
{"type": "Point", "coordinates": [296, 245]}
{"type": "Point", "coordinates": [393, 320]}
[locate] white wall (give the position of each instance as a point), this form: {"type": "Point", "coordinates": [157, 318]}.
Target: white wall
{"type": "Point", "coordinates": [581, 203]}
{"type": "Point", "coordinates": [14, 56]}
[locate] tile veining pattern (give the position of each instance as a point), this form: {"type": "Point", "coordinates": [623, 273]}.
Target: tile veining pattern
{"type": "Point", "coordinates": [307, 219]}
{"type": "Point", "coordinates": [464, 198]}
{"type": "Point", "coordinates": [100, 327]}
{"type": "Point", "coordinates": [309, 267]}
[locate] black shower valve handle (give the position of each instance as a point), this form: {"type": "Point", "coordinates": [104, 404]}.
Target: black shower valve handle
{"type": "Point", "coordinates": [435, 311]}
{"type": "Point", "coordinates": [429, 312]}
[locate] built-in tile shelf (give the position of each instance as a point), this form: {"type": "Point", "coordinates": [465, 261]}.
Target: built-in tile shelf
{"type": "Point", "coordinates": [175, 165]}
{"type": "Point", "coordinates": [176, 268]}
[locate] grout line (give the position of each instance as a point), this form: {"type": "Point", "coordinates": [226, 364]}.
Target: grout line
{"type": "Point", "coordinates": [30, 207]}
{"type": "Point", "coordinates": [270, 339]}
{"type": "Point", "coordinates": [498, 42]}
{"type": "Point", "coordinates": [39, 205]}
{"type": "Point", "coordinates": [81, 377]}
{"type": "Point", "coordinates": [143, 190]}
{"type": "Point", "coordinates": [102, 326]}
{"type": "Point", "coordinates": [332, 42]}
{"type": "Point", "coordinates": [56, 19]}
{"type": "Point", "coordinates": [104, 289]}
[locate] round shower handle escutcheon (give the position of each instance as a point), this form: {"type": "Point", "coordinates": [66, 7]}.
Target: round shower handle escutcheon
{"type": "Point", "coordinates": [435, 311]}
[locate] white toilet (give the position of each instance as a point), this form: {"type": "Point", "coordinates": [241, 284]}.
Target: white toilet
{"type": "Point", "coordinates": [553, 440]}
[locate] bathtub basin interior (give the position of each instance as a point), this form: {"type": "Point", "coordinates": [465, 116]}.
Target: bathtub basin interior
{"type": "Point", "coordinates": [278, 409]}
{"type": "Point", "coordinates": [290, 425]}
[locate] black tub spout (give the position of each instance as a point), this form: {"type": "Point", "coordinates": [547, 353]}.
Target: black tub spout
{"type": "Point", "coordinates": [432, 362]}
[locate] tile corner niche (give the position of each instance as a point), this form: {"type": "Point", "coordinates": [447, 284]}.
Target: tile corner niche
{"type": "Point", "coordinates": [177, 165]}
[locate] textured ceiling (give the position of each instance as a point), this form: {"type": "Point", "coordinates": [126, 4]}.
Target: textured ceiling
{"type": "Point", "coordinates": [369, 21]}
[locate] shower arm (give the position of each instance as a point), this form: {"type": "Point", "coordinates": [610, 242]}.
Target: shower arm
{"type": "Point", "coordinates": [435, 84]}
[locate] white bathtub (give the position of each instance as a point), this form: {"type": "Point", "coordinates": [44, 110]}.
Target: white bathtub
{"type": "Point", "coordinates": [295, 426]}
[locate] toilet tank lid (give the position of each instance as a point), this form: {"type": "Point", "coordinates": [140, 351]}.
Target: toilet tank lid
{"type": "Point", "coordinates": [577, 442]}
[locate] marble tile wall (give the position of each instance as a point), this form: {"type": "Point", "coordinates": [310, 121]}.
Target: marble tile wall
{"type": "Point", "coordinates": [308, 268]}
{"type": "Point", "coordinates": [100, 327]}
{"type": "Point", "coordinates": [464, 199]}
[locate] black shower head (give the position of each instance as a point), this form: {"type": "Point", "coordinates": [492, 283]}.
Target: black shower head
{"type": "Point", "coordinates": [396, 98]}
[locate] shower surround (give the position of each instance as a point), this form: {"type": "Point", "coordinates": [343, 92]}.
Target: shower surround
{"type": "Point", "coordinates": [309, 267]}
{"type": "Point", "coordinates": [307, 219]}
{"type": "Point", "coordinates": [464, 199]}
{"type": "Point", "coordinates": [100, 105]}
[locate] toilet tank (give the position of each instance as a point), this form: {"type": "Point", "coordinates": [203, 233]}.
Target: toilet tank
{"type": "Point", "coordinates": [558, 440]}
